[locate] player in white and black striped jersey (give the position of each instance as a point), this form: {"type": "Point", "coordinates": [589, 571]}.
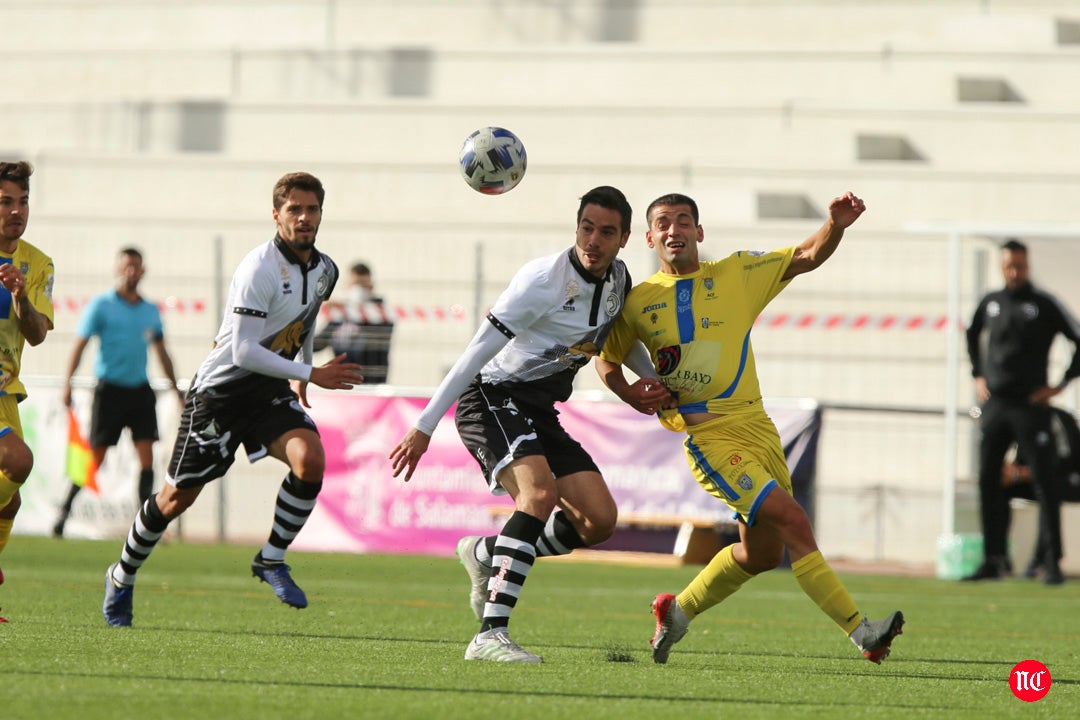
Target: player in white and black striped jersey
{"type": "Point", "coordinates": [241, 394]}
{"type": "Point", "coordinates": [549, 322]}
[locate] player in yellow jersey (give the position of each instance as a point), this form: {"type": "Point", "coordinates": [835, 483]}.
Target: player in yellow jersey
{"type": "Point", "coordinates": [695, 319]}
{"type": "Point", "coordinates": [26, 315]}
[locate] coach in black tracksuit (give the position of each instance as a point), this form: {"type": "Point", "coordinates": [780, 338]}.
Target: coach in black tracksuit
{"type": "Point", "coordinates": [1009, 344]}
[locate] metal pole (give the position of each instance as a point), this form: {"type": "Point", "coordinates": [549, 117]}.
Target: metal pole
{"type": "Point", "coordinates": [952, 382]}
{"type": "Point", "coordinates": [478, 282]}
{"type": "Point", "coordinates": [219, 312]}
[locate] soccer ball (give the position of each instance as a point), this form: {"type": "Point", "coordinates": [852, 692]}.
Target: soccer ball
{"type": "Point", "coordinates": [492, 160]}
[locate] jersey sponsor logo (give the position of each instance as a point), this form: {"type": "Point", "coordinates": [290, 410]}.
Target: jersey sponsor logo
{"type": "Point", "coordinates": [321, 286]}
{"type": "Point", "coordinates": [687, 377]}
{"type": "Point", "coordinates": [735, 460]}
{"type": "Point", "coordinates": [683, 296]}
{"type": "Point", "coordinates": [651, 308]}
{"type": "Point", "coordinates": [667, 359]}
{"type": "Point", "coordinates": [287, 342]}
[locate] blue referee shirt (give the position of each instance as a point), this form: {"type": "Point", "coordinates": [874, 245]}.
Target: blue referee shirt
{"type": "Point", "coordinates": [124, 332]}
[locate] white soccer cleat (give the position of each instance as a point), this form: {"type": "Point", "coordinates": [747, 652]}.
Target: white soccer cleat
{"type": "Point", "coordinates": [479, 573]}
{"type": "Point", "coordinates": [495, 645]}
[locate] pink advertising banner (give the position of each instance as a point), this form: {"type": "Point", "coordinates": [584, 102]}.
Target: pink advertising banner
{"type": "Point", "coordinates": [363, 509]}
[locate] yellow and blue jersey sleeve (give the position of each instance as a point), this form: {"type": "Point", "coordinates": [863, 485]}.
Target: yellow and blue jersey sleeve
{"type": "Point", "coordinates": [37, 268]}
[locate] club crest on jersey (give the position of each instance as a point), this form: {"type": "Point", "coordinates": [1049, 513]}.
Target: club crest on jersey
{"type": "Point", "coordinates": [612, 304]}
{"type": "Point", "coordinates": [708, 282]}
{"type": "Point", "coordinates": [1030, 310]}
{"type": "Point", "coordinates": [993, 309]}
{"type": "Point", "coordinates": [572, 290]}
{"type": "Point", "coordinates": [746, 483]}
{"type": "Point", "coordinates": [667, 359]}
{"type": "Point", "coordinates": [24, 268]}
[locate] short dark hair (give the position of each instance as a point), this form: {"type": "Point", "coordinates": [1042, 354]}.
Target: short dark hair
{"type": "Point", "coordinates": [17, 172]}
{"type": "Point", "coordinates": [360, 269]}
{"type": "Point", "coordinates": [130, 252]}
{"type": "Point", "coordinates": [674, 199]}
{"type": "Point", "coordinates": [1014, 245]}
{"type": "Point", "coordinates": [297, 181]}
{"type": "Point", "coordinates": [611, 198]}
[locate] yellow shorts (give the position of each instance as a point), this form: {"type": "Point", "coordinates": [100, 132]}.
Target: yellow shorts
{"type": "Point", "coordinates": [9, 416]}
{"type": "Point", "coordinates": [739, 460]}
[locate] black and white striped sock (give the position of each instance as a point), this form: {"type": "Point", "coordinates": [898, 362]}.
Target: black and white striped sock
{"type": "Point", "coordinates": [295, 501]}
{"type": "Point", "coordinates": [559, 537]}
{"type": "Point", "coordinates": [145, 532]}
{"type": "Point", "coordinates": [515, 551]}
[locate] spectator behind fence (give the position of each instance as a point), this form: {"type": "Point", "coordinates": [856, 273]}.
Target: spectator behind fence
{"type": "Point", "coordinates": [126, 324]}
{"type": "Point", "coordinates": [1009, 343]}
{"type": "Point", "coordinates": [360, 327]}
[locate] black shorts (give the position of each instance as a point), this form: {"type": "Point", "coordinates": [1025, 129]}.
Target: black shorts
{"type": "Point", "coordinates": [500, 423]}
{"type": "Point", "coordinates": [214, 426]}
{"type": "Point", "coordinates": [117, 407]}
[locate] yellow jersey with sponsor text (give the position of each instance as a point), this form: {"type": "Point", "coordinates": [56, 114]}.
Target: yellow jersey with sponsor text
{"type": "Point", "coordinates": [37, 269]}
{"type": "Point", "coordinates": [697, 329]}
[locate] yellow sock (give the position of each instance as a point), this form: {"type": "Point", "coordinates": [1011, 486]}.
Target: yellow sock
{"type": "Point", "coordinates": [718, 580]}
{"type": "Point", "coordinates": [7, 490]}
{"type": "Point", "coordinates": [5, 531]}
{"type": "Point", "coordinates": [819, 581]}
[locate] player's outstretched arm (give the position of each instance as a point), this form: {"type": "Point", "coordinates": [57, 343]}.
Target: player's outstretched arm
{"type": "Point", "coordinates": [816, 249]}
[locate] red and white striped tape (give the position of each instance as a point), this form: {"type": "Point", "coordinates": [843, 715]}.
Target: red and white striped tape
{"type": "Point", "coordinates": [70, 303]}
{"type": "Point", "coordinates": [370, 312]}
{"type": "Point", "coordinates": [844, 321]}
{"type": "Point", "coordinates": [382, 313]}
{"type": "Point", "coordinates": [373, 312]}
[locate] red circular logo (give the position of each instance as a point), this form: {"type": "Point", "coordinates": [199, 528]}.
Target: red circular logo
{"type": "Point", "coordinates": [1030, 680]}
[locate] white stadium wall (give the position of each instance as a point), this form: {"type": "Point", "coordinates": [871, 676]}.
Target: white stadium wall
{"type": "Point", "coordinates": [164, 125]}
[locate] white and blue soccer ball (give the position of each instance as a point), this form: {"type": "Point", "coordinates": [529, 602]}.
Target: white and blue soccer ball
{"type": "Point", "coordinates": [492, 160]}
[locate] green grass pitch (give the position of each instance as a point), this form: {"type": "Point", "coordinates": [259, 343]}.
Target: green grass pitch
{"type": "Point", "coordinates": [384, 636]}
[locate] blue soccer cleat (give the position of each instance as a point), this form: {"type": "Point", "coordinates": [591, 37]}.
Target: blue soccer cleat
{"type": "Point", "coordinates": [117, 605]}
{"type": "Point", "coordinates": [276, 575]}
